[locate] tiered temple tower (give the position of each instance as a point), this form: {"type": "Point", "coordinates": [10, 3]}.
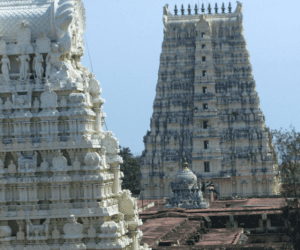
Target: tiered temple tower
{"type": "Point", "coordinates": [207, 109]}
{"type": "Point", "coordinates": [59, 171]}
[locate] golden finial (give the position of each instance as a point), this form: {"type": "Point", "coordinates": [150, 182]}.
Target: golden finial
{"type": "Point", "coordinates": [185, 164]}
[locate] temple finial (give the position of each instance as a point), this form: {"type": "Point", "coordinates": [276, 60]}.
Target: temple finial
{"type": "Point", "coordinates": [189, 9]}
{"type": "Point", "coordinates": [182, 9]}
{"type": "Point", "coordinates": [175, 10]}
{"type": "Point", "coordinates": [223, 8]}
{"type": "Point", "coordinates": [216, 8]}
{"type": "Point", "coordinates": [185, 164]}
{"type": "Point", "coordinates": [229, 7]}
{"type": "Point", "coordinates": [196, 9]}
{"type": "Point", "coordinates": [209, 9]}
{"type": "Point", "coordinates": [202, 8]}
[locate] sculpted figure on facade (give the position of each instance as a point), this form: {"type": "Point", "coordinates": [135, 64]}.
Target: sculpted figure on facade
{"type": "Point", "coordinates": [27, 164]}
{"type": "Point", "coordinates": [24, 65]}
{"type": "Point", "coordinates": [53, 63]}
{"type": "Point", "coordinates": [36, 104]}
{"type": "Point", "coordinates": [73, 229]}
{"type": "Point", "coordinates": [59, 162]}
{"type": "Point", "coordinates": [38, 64]}
{"type": "Point", "coordinates": [8, 104]}
{"type": "Point", "coordinates": [5, 67]}
{"type": "Point", "coordinates": [12, 168]}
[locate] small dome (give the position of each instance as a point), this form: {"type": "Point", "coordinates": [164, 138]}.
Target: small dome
{"type": "Point", "coordinates": [186, 175]}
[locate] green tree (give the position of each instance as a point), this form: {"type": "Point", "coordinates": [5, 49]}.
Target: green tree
{"type": "Point", "coordinates": [287, 144]}
{"type": "Point", "coordinates": [131, 169]}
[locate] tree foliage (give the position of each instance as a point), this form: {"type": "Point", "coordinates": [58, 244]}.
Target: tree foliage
{"type": "Point", "coordinates": [131, 169]}
{"type": "Point", "coordinates": [287, 144]}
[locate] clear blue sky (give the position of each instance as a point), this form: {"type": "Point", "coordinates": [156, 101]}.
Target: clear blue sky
{"type": "Point", "coordinates": [125, 37]}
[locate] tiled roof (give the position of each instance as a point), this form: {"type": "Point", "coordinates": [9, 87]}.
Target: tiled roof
{"type": "Point", "coordinates": [154, 229]}
{"type": "Point", "coordinates": [245, 206]}
{"type": "Point", "coordinates": [222, 236]}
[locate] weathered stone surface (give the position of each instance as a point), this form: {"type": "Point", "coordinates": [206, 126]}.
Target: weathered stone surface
{"type": "Point", "coordinates": [207, 110]}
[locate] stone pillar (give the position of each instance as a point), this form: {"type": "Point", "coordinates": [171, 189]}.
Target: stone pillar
{"type": "Point", "coordinates": [116, 170]}
{"type": "Point", "coordinates": [98, 122]}
{"type": "Point", "coordinates": [55, 193]}
{"type": "Point", "coordinates": [132, 226]}
{"type": "Point", "coordinates": [2, 194]}
{"type": "Point", "coordinates": [231, 223]}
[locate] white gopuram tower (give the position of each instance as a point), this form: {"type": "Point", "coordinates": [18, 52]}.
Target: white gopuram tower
{"type": "Point", "coordinates": [59, 171]}
{"type": "Point", "coordinates": [207, 109]}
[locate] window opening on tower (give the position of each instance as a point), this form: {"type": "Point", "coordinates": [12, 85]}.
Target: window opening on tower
{"type": "Point", "coordinates": [206, 144]}
{"type": "Point", "coordinates": [205, 124]}
{"type": "Point", "coordinates": [206, 166]}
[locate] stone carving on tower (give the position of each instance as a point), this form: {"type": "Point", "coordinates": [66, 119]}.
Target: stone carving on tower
{"type": "Point", "coordinates": [207, 109]}
{"type": "Point", "coordinates": [60, 184]}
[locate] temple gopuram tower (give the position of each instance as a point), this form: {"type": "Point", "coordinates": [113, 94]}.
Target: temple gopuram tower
{"type": "Point", "coordinates": [206, 108]}
{"type": "Point", "coordinates": [59, 171]}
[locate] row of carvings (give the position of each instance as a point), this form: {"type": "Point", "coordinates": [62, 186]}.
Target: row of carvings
{"type": "Point", "coordinates": [41, 127]}
{"type": "Point", "coordinates": [56, 212]}
{"type": "Point", "coordinates": [55, 68]}
{"type": "Point", "coordinates": [107, 140]}
{"type": "Point", "coordinates": [241, 86]}
{"type": "Point", "coordinates": [222, 57]}
{"type": "Point", "coordinates": [171, 45]}
{"type": "Point", "coordinates": [37, 105]}
{"type": "Point", "coordinates": [16, 144]}
{"type": "Point", "coordinates": [48, 100]}
{"type": "Point", "coordinates": [28, 163]}
{"type": "Point", "coordinates": [72, 231]}
{"type": "Point", "coordinates": [61, 85]}
{"type": "Point", "coordinates": [56, 191]}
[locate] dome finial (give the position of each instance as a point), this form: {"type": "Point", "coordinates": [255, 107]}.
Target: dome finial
{"type": "Point", "coordinates": [185, 164]}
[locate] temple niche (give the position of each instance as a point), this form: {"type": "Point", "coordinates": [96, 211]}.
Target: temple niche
{"type": "Point", "coordinates": [60, 184]}
{"type": "Point", "coordinates": [207, 109]}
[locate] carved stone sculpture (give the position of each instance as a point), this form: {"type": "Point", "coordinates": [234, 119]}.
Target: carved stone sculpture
{"type": "Point", "coordinates": [76, 164]}
{"type": "Point", "coordinates": [5, 67]}
{"type": "Point", "coordinates": [92, 159]}
{"type": "Point", "coordinates": [73, 229]}
{"type": "Point", "coordinates": [24, 67]}
{"type": "Point", "coordinates": [12, 169]}
{"type": "Point", "coordinates": [38, 65]}
{"type": "Point", "coordinates": [59, 162]}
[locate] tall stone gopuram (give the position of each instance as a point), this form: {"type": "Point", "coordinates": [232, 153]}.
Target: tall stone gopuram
{"type": "Point", "coordinates": [59, 171]}
{"type": "Point", "coordinates": [206, 108]}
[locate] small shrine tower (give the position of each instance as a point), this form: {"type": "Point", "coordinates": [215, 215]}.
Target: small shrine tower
{"type": "Point", "coordinates": [186, 190]}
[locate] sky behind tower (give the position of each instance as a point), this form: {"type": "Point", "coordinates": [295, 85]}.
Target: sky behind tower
{"type": "Point", "coordinates": [125, 38]}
